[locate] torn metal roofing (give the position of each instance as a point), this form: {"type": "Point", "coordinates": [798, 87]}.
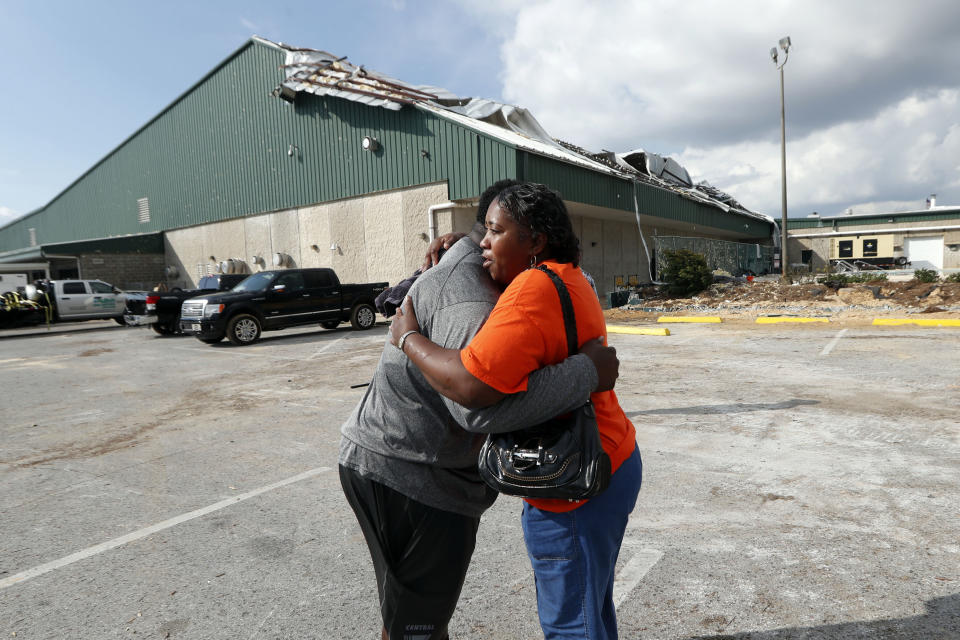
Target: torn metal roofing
{"type": "Point", "coordinates": [324, 74]}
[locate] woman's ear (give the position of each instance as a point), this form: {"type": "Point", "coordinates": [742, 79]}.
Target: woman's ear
{"type": "Point", "coordinates": [538, 243]}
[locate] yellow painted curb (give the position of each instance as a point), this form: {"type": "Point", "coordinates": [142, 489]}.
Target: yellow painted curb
{"type": "Point", "coordinates": [639, 331]}
{"type": "Point", "coordinates": [766, 320]}
{"type": "Point", "coordinates": [689, 319]}
{"type": "Point", "coordinates": [921, 322]}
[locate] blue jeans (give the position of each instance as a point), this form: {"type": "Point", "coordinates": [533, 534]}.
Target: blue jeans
{"type": "Point", "coordinates": [574, 556]}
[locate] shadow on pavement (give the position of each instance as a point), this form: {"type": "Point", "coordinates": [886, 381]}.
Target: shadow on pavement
{"type": "Point", "coordinates": [739, 407]}
{"type": "Point", "coordinates": [940, 622]}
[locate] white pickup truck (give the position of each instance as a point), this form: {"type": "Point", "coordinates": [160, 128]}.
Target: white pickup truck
{"type": "Point", "coordinates": [85, 300]}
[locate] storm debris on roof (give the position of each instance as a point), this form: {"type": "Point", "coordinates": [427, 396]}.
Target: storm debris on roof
{"type": "Point", "coordinates": [324, 74]}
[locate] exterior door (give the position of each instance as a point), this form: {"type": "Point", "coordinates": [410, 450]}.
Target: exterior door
{"type": "Point", "coordinates": [924, 253]}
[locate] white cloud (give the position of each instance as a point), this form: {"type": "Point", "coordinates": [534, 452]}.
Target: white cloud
{"type": "Point", "coordinates": [7, 215]}
{"type": "Point", "coordinates": [854, 164]}
{"type": "Point", "coordinates": [871, 90]}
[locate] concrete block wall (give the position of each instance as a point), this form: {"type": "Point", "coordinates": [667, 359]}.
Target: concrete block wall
{"type": "Point", "coordinates": [129, 271]}
{"type": "Point", "coordinates": [373, 238]}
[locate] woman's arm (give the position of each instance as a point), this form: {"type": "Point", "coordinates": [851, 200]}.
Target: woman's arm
{"type": "Point", "coordinates": [441, 367]}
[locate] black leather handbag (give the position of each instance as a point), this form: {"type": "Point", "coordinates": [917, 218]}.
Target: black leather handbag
{"type": "Point", "coordinates": [560, 458]}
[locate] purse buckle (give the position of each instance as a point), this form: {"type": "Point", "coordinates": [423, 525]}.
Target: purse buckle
{"type": "Point", "coordinates": [525, 458]}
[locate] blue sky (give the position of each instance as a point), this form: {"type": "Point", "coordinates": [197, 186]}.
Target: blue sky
{"type": "Point", "coordinates": [873, 91]}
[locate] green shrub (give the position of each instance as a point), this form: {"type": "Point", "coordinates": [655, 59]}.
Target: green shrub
{"type": "Point", "coordinates": [686, 272]}
{"type": "Point", "coordinates": [953, 277]}
{"type": "Point", "coordinates": [926, 275]}
{"type": "Point", "coordinates": [840, 279]}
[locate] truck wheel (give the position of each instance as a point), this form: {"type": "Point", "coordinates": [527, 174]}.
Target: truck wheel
{"type": "Point", "coordinates": [902, 260]}
{"type": "Point", "coordinates": [363, 316]}
{"type": "Point", "coordinates": [160, 329]}
{"type": "Point", "coordinates": [120, 321]}
{"type": "Point", "coordinates": [330, 324]}
{"type": "Point", "coordinates": [210, 340]}
{"type": "Point", "coordinates": [243, 329]}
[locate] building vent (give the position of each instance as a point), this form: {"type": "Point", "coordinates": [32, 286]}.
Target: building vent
{"type": "Point", "coordinates": [33, 237]}
{"type": "Point", "coordinates": [143, 210]}
{"type": "Point", "coordinates": [200, 271]}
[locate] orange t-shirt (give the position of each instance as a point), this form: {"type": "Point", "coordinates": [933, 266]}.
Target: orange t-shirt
{"type": "Point", "coordinates": [525, 332]}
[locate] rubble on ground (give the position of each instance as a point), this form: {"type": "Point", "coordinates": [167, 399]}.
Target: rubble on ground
{"type": "Point", "coordinates": [769, 297]}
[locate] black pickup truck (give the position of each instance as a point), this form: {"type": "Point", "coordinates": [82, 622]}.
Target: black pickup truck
{"type": "Point", "coordinates": [161, 309]}
{"type": "Point", "coordinates": [279, 299]}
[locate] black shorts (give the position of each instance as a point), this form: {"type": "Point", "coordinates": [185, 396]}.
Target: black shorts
{"type": "Point", "coordinates": [420, 555]}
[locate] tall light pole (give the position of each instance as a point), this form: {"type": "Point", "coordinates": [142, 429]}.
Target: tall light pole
{"type": "Point", "coordinates": [785, 45]}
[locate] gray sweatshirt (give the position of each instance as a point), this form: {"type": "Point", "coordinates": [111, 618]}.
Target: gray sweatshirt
{"type": "Point", "coordinates": [408, 437]}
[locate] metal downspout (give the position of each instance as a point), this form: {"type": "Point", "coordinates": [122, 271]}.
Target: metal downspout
{"type": "Point", "coordinates": [432, 216]}
{"type": "Point", "coordinates": [636, 212]}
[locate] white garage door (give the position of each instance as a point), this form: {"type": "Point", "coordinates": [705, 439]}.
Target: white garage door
{"type": "Point", "coordinates": [924, 253]}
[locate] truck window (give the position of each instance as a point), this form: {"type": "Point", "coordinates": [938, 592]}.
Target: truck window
{"type": "Point", "coordinates": [316, 279]}
{"type": "Point", "coordinates": [256, 282]}
{"type": "Point", "coordinates": [207, 282]}
{"type": "Point", "coordinates": [293, 281]}
{"type": "Point", "coordinates": [101, 287]}
{"type": "Point", "coordinates": [73, 287]}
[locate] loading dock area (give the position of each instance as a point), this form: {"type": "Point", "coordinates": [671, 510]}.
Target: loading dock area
{"type": "Point", "coordinates": [160, 487]}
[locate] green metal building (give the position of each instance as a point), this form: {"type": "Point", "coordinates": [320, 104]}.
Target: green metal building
{"type": "Point", "coordinates": [253, 168]}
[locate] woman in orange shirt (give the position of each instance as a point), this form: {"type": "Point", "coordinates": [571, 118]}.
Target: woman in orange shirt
{"type": "Point", "coordinates": [573, 546]}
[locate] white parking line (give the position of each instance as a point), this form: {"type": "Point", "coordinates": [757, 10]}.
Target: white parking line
{"type": "Point", "coordinates": [142, 533]}
{"type": "Point", "coordinates": [827, 349]}
{"type": "Point", "coordinates": [633, 572]}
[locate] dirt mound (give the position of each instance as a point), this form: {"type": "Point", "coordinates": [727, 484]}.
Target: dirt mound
{"type": "Point", "coordinates": [768, 297]}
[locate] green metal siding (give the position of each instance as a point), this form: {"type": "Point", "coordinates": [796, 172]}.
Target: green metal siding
{"type": "Point", "coordinates": [889, 218]}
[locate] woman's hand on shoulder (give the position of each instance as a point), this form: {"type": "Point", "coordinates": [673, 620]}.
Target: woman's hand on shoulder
{"type": "Point", "coordinates": [403, 322]}
{"type": "Point", "coordinates": [437, 246]}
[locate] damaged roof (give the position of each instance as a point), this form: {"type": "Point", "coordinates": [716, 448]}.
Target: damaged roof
{"type": "Point", "coordinates": [325, 74]}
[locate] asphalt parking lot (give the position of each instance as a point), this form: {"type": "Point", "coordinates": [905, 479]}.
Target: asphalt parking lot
{"type": "Point", "coordinates": [799, 482]}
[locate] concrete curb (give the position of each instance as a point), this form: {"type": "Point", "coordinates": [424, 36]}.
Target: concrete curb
{"type": "Point", "coordinates": [920, 322]}
{"type": "Point", "coordinates": [696, 319]}
{"type": "Point", "coordinates": [640, 331]}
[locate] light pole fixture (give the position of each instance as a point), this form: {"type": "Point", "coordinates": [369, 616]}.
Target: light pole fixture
{"type": "Point", "coordinates": [785, 45]}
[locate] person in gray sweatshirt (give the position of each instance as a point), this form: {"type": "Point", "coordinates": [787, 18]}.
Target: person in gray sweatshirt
{"type": "Point", "coordinates": [408, 456]}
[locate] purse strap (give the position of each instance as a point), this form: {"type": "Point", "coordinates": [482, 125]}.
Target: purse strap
{"type": "Point", "coordinates": [569, 318]}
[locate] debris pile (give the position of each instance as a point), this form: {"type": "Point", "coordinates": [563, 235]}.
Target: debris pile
{"type": "Point", "coordinates": [770, 297]}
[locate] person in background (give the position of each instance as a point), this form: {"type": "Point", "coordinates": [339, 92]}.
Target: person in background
{"type": "Point", "coordinates": [573, 545]}
{"type": "Point", "coordinates": [408, 456]}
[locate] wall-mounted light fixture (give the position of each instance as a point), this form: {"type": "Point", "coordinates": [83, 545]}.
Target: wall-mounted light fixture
{"type": "Point", "coordinates": [315, 247]}
{"type": "Point", "coordinates": [293, 148]}
{"type": "Point", "coordinates": [370, 143]}
{"type": "Point", "coordinates": [334, 246]}
{"type": "Point", "coordinates": [213, 258]}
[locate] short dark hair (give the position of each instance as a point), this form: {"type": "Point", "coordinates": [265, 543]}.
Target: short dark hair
{"type": "Point", "coordinates": [541, 210]}
{"type": "Point", "coordinates": [490, 194]}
